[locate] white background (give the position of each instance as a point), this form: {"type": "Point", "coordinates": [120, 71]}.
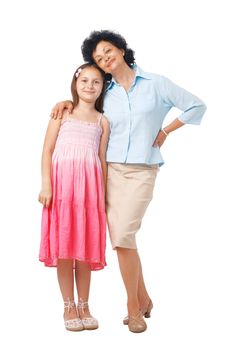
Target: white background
{"type": "Point", "coordinates": [186, 238]}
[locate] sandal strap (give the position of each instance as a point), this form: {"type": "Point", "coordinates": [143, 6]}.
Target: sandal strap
{"type": "Point", "coordinates": [69, 304]}
{"type": "Point", "coordinates": [82, 305]}
{"type": "Point", "coordinates": [138, 317]}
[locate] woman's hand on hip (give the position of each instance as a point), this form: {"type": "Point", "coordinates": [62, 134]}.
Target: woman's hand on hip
{"type": "Point", "coordinates": [161, 137]}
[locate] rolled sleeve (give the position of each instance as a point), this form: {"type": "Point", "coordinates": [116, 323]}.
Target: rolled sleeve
{"type": "Point", "coordinates": [193, 107]}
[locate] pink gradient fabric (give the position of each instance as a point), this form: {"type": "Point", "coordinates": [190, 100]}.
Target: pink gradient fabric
{"type": "Point", "coordinates": [74, 226]}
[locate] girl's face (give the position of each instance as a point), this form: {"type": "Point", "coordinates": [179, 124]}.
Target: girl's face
{"type": "Point", "coordinates": [108, 57]}
{"type": "Point", "coordinates": [89, 84]}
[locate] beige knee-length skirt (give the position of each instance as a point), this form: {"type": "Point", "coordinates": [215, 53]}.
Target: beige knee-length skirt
{"type": "Point", "coordinates": [129, 192]}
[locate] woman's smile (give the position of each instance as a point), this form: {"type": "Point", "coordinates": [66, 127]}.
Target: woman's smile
{"type": "Point", "coordinates": [110, 62]}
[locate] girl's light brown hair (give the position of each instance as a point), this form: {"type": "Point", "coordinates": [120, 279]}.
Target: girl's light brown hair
{"type": "Point", "coordinates": [100, 100]}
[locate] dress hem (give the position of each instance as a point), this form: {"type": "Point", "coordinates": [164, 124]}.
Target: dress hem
{"type": "Point", "coordinates": [94, 265]}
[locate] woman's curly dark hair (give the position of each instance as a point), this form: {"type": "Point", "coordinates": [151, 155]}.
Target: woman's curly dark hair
{"type": "Point", "coordinates": [90, 43]}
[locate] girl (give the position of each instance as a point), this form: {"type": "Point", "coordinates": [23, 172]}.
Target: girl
{"type": "Point", "coordinates": [73, 194]}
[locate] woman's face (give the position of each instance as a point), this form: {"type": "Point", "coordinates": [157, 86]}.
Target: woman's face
{"type": "Point", "coordinates": [89, 84]}
{"type": "Point", "coordinates": [108, 57]}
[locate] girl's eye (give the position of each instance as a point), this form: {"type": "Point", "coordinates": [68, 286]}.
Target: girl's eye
{"type": "Point", "coordinates": [97, 82]}
{"type": "Point", "coordinates": [99, 60]}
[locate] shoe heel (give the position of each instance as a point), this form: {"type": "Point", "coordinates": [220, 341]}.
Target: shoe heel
{"type": "Point", "coordinates": [147, 314]}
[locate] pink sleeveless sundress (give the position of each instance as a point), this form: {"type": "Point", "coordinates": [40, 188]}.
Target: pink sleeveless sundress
{"type": "Point", "coordinates": [74, 226]}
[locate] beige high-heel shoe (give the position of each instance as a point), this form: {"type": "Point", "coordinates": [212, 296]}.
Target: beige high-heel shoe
{"type": "Point", "coordinates": [136, 323]}
{"type": "Point", "coordinates": [74, 324]}
{"type": "Point", "coordinates": [89, 322]}
{"type": "Point", "coordinates": [146, 313]}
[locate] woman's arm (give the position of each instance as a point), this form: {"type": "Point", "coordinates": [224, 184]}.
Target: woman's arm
{"type": "Point", "coordinates": [59, 109]}
{"type": "Point", "coordinates": [45, 195]}
{"type": "Point", "coordinates": [103, 148]}
{"type": "Point", "coordinates": [193, 108]}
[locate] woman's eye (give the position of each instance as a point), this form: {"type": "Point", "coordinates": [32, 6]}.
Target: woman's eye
{"type": "Point", "coordinates": [97, 82]}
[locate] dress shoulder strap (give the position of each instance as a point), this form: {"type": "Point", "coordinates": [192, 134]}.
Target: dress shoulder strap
{"type": "Point", "coordinates": [66, 116]}
{"type": "Point", "coordinates": [99, 118]}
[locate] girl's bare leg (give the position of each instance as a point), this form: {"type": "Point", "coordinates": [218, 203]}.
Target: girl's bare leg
{"type": "Point", "coordinates": [83, 281]}
{"type": "Point", "coordinates": [65, 277]}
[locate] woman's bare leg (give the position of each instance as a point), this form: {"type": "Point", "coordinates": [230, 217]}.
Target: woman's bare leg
{"type": "Point", "coordinates": [130, 267]}
{"type": "Point", "coordinates": [143, 296]}
{"type": "Point", "coordinates": [131, 270]}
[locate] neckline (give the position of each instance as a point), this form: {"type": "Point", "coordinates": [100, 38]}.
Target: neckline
{"type": "Point", "coordinates": [82, 121]}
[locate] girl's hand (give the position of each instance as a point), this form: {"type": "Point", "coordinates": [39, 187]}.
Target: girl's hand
{"type": "Point", "coordinates": [161, 137]}
{"type": "Point", "coordinates": [59, 109]}
{"type": "Point", "coordinates": [45, 196]}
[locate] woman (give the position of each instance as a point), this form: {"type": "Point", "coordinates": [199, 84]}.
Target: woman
{"type": "Point", "coordinates": [136, 104]}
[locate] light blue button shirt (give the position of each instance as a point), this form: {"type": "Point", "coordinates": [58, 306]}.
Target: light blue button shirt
{"type": "Point", "coordinates": [137, 116]}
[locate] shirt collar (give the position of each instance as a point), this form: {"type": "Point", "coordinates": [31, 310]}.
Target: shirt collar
{"type": "Point", "coordinates": [139, 74]}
